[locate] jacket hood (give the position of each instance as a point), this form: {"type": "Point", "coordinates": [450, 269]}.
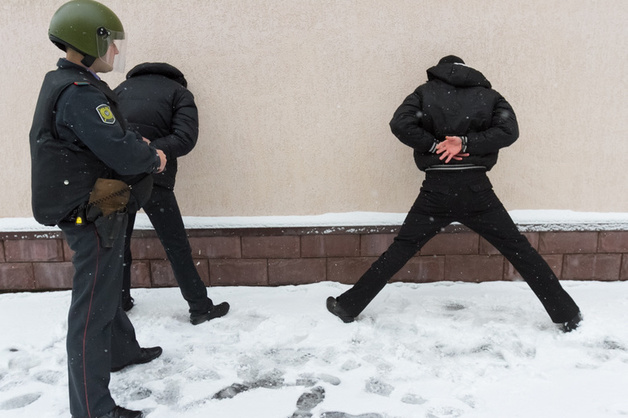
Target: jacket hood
{"type": "Point", "coordinates": [458, 75]}
{"type": "Point", "coordinates": [158, 68]}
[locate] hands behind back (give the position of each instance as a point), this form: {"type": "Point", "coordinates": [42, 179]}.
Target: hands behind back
{"type": "Point", "coordinates": [450, 149]}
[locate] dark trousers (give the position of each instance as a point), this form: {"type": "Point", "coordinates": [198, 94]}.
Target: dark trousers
{"type": "Point", "coordinates": [464, 196]}
{"type": "Point", "coordinates": [100, 335]}
{"type": "Point", "coordinates": [163, 211]}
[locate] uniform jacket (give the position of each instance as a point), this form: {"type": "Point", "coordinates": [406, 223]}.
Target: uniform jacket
{"type": "Point", "coordinates": [457, 100]}
{"type": "Point", "coordinates": [77, 136]}
{"type": "Point", "coordinates": [157, 104]}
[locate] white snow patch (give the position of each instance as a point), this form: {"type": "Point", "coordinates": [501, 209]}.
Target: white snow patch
{"type": "Point", "coordinates": [527, 219]}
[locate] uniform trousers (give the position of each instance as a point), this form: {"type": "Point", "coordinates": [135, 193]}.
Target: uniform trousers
{"type": "Point", "coordinates": [467, 197]}
{"type": "Point", "coordinates": [100, 335]}
{"type": "Point", "coordinates": [164, 214]}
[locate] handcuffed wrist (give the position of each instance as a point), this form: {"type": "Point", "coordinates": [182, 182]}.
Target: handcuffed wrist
{"type": "Point", "coordinates": [464, 140]}
{"type": "Point", "coordinates": [157, 164]}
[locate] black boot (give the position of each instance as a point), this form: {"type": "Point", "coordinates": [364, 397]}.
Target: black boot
{"type": "Point", "coordinates": [120, 412]}
{"type": "Point", "coordinates": [334, 307]}
{"type": "Point", "coordinates": [146, 355]}
{"type": "Point", "coordinates": [572, 324]}
{"type": "Point", "coordinates": [127, 303]}
{"type": "Point", "coordinates": [215, 311]}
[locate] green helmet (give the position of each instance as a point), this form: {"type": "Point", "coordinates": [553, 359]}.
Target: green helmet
{"type": "Point", "coordinates": [85, 26]}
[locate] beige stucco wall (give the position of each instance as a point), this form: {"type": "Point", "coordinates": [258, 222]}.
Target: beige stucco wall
{"type": "Point", "coordinates": [295, 97]}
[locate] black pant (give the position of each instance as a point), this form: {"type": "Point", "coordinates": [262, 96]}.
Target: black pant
{"type": "Point", "coordinates": [163, 211]}
{"type": "Point", "coordinates": [100, 335]}
{"type": "Point", "coordinates": [464, 196]}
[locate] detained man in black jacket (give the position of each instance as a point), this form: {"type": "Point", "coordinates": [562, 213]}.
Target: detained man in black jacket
{"type": "Point", "coordinates": [456, 124]}
{"type": "Point", "coordinates": [156, 102]}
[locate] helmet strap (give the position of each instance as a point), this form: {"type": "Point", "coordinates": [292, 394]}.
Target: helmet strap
{"type": "Point", "coordinates": [88, 60]}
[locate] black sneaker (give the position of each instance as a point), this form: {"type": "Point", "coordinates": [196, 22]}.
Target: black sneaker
{"type": "Point", "coordinates": [336, 309]}
{"type": "Point", "coordinates": [572, 324]}
{"type": "Point", "coordinates": [216, 311]}
{"type": "Point", "coordinates": [146, 355]}
{"type": "Point", "coordinates": [120, 412]}
{"type": "Point", "coordinates": [128, 303]}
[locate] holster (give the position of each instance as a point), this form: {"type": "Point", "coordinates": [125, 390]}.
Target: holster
{"type": "Point", "coordinates": [107, 209]}
{"type": "Point", "coordinates": [108, 195]}
{"type": "Point", "coordinates": [110, 227]}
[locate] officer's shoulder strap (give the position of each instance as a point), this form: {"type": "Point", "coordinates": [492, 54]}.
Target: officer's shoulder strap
{"type": "Point", "coordinates": [61, 87]}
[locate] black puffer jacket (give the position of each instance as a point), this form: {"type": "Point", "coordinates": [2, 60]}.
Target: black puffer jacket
{"type": "Point", "coordinates": [457, 100]}
{"type": "Point", "coordinates": [156, 102]}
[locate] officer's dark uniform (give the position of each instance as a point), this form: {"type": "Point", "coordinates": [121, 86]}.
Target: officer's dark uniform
{"type": "Point", "coordinates": [458, 101]}
{"type": "Point", "coordinates": [78, 136]}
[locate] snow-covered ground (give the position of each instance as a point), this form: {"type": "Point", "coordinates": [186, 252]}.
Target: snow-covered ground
{"type": "Point", "coordinates": [437, 350]}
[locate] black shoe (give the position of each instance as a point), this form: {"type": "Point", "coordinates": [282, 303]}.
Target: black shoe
{"type": "Point", "coordinates": [336, 309]}
{"type": "Point", "coordinates": [146, 355]}
{"type": "Point", "coordinates": [572, 324]}
{"type": "Point", "coordinates": [216, 311]}
{"type": "Point", "coordinates": [128, 303]}
{"type": "Point", "coordinates": [120, 412]}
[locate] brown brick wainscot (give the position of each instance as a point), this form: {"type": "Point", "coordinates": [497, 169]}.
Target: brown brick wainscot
{"type": "Point", "coordinates": [274, 256]}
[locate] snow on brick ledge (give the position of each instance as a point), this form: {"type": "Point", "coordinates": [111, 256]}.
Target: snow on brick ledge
{"type": "Point", "coordinates": [527, 220]}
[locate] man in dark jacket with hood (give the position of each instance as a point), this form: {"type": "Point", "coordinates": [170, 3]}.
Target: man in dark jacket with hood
{"type": "Point", "coordinates": [456, 124]}
{"type": "Point", "coordinates": [157, 104]}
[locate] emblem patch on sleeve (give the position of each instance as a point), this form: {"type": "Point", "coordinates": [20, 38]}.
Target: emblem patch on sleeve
{"type": "Point", "coordinates": [105, 113]}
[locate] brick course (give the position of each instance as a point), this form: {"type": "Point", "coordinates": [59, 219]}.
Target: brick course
{"type": "Point", "coordinates": [271, 247]}
{"type": "Point", "coordinates": [289, 256]}
{"type": "Point", "coordinates": [238, 272]}
{"type": "Point", "coordinates": [592, 267]}
{"type": "Point", "coordinates": [17, 276]}
{"type": "Point", "coordinates": [330, 246]}
{"type": "Point", "coordinates": [53, 275]}
{"type": "Point", "coordinates": [296, 271]}
{"type": "Point", "coordinates": [568, 242]}
{"type": "Point", "coordinates": [33, 250]}
{"type": "Point", "coordinates": [613, 242]}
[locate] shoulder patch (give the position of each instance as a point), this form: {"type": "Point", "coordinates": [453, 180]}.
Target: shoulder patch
{"type": "Point", "coordinates": [106, 115]}
{"type": "Point", "coordinates": [81, 83]}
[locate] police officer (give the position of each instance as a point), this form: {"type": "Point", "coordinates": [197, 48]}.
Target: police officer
{"type": "Point", "coordinates": [456, 124]}
{"type": "Point", "coordinates": [79, 147]}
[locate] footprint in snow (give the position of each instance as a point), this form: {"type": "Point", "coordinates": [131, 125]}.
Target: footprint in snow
{"type": "Point", "coordinates": [378, 387]}
{"type": "Point", "coordinates": [444, 412]}
{"type": "Point", "coordinates": [272, 380]}
{"type": "Point", "coordinates": [309, 380]}
{"type": "Point", "coordinates": [50, 377]}
{"type": "Point", "coordinates": [170, 394]}
{"type": "Point", "coordinates": [327, 378]}
{"type": "Point", "coordinates": [308, 401]}
{"type": "Point", "coordinates": [140, 393]}
{"type": "Point", "coordinates": [345, 415]}
{"type": "Point", "coordinates": [413, 399]}
{"type": "Point", "coordinates": [19, 401]}
{"type": "Point", "coordinates": [231, 391]}
{"type": "Point", "coordinates": [454, 306]}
